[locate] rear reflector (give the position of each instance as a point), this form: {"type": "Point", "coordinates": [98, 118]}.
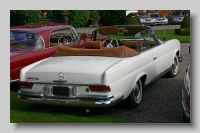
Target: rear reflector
{"type": "Point", "coordinates": [99, 88]}
{"type": "Point", "coordinates": [188, 102]}
{"type": "Point", "coordinates": [23, 84]}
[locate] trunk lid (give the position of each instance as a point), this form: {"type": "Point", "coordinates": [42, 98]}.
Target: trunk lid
{"type": "Point", "coordinates": [76, 69]}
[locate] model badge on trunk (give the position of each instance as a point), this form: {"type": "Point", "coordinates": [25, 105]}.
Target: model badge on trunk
{"type": "Point", "coordinates": [33, 78]}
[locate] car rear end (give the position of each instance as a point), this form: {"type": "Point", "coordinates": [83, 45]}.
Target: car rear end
{"type": "Point", "coordinates": [78, 84]}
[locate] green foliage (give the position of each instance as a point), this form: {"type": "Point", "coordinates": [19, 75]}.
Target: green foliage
{"type": "Point", "coordinates": [94, 15]}
{"type": "Point", "coordinates": [132, 21]}
{"type": "Point", "coordinates": [185, 31]}
{"type": "Point", "coordinates": [113, 17]}
{"type": "Point", "coordinates": [186, 22]}
{"type": "Point", "coordinates": [78, 18]}
{"type": "Point", "coordinates": [184, 28]}
{"type": "Point", "coordinates": [177, 31]}
{"type": "Point", "coordinates": [58, 13]}
{"type": "Point", "coordinates": [20, 17]}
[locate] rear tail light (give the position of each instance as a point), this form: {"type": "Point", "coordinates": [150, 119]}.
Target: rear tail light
{"type": "Point", "coordinates": [23, 84]}
{"type": "Point", "coordinates": [188, 102]}
{"type": "Point", "coordinates": [99, 88]}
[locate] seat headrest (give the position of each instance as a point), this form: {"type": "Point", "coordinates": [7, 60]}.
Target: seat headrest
{"type": "Point", "coordinates": [93, 45]}
{"type": "Point", "coordinates": [109, 30]}
{"type": "Point", "coordinates": [135, 29]}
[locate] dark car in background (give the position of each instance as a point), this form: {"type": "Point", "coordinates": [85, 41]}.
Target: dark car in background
{"type": "Point", "coordinates": [160, 19]}
{"type": "Point", "coordinates": [186, 97]}
{"type": "Point", "coordinates": [176, 17]}
{"type": "Point", "coordinates": [142, 18]}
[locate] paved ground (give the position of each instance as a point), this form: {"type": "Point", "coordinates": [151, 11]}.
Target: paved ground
{"type": "Point", "coordinates": [89, 30]}
{"type": "Point", "coordinates": [161, 101]}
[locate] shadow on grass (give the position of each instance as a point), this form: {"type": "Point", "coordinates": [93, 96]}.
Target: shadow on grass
{"type": "Point", "coordinates": [18, 105]}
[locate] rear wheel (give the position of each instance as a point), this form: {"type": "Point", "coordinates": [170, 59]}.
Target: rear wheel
{"type": "Point", "coordinates": [174, 68]}
{"type": "Point", "coordinates": [135, 97]}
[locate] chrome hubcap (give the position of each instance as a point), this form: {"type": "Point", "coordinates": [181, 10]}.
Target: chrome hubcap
{"type": "Point", "coordinates": [137, 92]}
{"type": "Point", "coordinates": [174, 66]}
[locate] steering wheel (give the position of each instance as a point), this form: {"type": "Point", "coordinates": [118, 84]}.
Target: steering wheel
{"type": "Point", "coordinates": [110, 42]}
{"type": "Point", "coordinates": [63, 40]}
{"type": "Point", "coordinates": [69, 37]}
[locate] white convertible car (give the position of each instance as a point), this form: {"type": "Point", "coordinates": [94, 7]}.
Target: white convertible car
{"type": "Point", "coordinates": [103, 73]}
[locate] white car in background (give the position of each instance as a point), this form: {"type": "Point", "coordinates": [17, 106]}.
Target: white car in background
{"type": "Point", "coordinates": [160, 19]}
{"type": "Point", "coordinates": [142, 18]}
{"type": "Point", "coordinates": [103, 73]}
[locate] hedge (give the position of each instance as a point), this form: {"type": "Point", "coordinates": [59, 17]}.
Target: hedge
{"type": "Point", "coordinates": [185, 31]}
{"type": "Point", "coordinates": [177, 31]}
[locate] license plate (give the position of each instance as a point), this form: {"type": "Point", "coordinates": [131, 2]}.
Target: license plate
{"type": "Point", "coordinates": [60, 91]}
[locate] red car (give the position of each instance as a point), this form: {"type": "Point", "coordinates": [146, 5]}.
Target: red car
{"type": "Point", "coordinates": [31, 43]}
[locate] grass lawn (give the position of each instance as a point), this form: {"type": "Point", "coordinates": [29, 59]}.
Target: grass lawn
{"type": "Point", "coordinates": [170, 34]}
{"type": "Point", "coordinates": [25, 112]}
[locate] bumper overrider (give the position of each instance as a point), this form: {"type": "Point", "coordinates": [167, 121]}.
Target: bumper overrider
{"type": "Point", "coordinates": [80, 100]}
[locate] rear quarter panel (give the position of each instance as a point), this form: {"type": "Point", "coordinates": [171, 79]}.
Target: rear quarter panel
{"type": "Point", "coordinates": [173, 47]}
{"type": "Point", "coordinates": [122, 76]}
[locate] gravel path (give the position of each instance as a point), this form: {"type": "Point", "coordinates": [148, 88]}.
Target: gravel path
{"type": "Point", "coordinates": [161, 101]}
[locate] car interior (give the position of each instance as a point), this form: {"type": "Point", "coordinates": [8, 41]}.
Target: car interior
{"type": "Point", "coordinates": [141, 41]}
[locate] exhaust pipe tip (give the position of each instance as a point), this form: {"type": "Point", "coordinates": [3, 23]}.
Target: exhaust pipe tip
{"type": "Point", "coordinates": [87, 110]}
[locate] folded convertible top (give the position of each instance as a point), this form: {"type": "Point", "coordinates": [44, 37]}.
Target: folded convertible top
{"type": "Point", "coordinates": [121, 51]}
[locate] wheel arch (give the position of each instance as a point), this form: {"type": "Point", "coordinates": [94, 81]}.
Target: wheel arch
{"type": "Point", "coordinates": [142, 78]}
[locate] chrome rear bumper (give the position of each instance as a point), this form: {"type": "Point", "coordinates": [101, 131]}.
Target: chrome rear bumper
{"type": "Point", "coordinates": [80, 100]}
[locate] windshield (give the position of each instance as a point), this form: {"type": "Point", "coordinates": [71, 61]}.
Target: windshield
{"type": "Point", "coordinates": [147, 38]}
{"type": "Point", "coordinates": [25, 40]}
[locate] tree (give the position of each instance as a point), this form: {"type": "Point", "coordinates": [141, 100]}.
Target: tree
{"type": "Point", "coordinates": [132, 21]}
{"type": "Point", "coordinates": [94, 15]}
{"type": "Point", "coordinates": [20, 17]}
{"type": "Point", "coordinates": [185, 23]}
{"type": "Point", "coordinates": [112, 17]}
{"type": "Point", "coordinates": [78, 18]}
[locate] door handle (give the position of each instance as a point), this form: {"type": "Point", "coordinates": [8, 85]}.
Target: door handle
{"type": "Point", "coordinates": [154, 58]}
